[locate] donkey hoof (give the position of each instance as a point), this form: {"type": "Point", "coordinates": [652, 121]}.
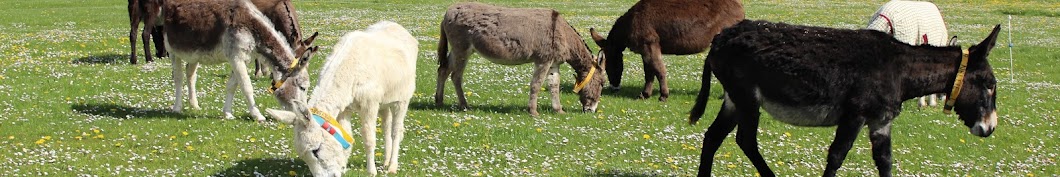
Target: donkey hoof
{"type": "Point", "coordinates": [177, 109]}
{"type": "Point", "coordinates": [662, 99]}
{"type": "Point", "coordinates": [229, 116]}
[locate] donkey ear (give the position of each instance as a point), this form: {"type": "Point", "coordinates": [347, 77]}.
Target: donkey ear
{"type": "Point", "coordinates": [287, 117]}
{"type": "Point", "coordinates": [953, 41]}
{"type": "Point", "coordinates": [309, 41]}
{"type": "Point", "coordinates": [600, 41]}
{"type": "Point", "coordinates": [304, 61]}
{"type": "Point", "coordinates": [989, 42]}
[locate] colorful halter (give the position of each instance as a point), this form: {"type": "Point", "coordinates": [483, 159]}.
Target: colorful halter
{"type": "Point", "coordinates": [333, 127]}
{"type": "Point", "coordinates": [957, 83]}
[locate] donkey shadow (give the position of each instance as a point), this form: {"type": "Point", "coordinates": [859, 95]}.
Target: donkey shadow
{"type": "Point", "coordinates": [491, 108]}
{"type": "Point", "coordinates": [275, 167]}
{"type": "Point", "coordinates": [124, 112]}
{"type": "Point", "coordinates": [110, 58]}
{"type": "Point", "coordinates": [617, 173]}
{"type": "Point", "coordinates": [633, 92]}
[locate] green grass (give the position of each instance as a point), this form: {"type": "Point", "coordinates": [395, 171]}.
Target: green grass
{"type": "Point", "coordinates": [65, 82]}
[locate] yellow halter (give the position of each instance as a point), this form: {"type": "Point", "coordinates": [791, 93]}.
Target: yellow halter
{"type": "Point", "coordinates": [957, 83]}
{"type": "Point", "coordinates": [578, 86]}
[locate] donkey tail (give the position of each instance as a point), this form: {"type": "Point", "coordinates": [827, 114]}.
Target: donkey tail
{"type": "Point", "coordinates": [704, 95]}
{"type": "Point", "coordinates": [443, 50]}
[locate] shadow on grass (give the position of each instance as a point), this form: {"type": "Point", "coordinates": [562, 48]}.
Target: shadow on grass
{"type": "Point", "coordinates": [101, 59]}
{"type": "Point", "coordinates": [279, 167]}
{"type": "Point", "coordinates": [266, 167]}
{"type": "Point", "coordinates": [618, 173]}
{"type": "Point", "coordinates": [633, 92]}
{"type": "Point", "coordinates": [451, 107]}
{"type": "Point", "coordinates": [124, 112]}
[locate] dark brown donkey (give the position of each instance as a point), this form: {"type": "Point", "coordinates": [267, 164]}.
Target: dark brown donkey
{"type": "Point", "coordinates": [233, 32]}
{"type": "Point", "coordinates": [147, 11]}
{"type": "Point", "coordinates": [655, 27]}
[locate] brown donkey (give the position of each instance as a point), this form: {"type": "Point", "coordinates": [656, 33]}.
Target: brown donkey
{"type": "Point", "coordinates": [514, 36]}
{"type": "Point", "coordinates": [214, 32]}
{"type": "Point", "coordinates": [656, 27]}
{"type": "Point", "coordinates": [147, 11]}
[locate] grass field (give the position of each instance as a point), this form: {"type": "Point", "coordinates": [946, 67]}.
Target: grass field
{"type": "Point", "coordinates": [71, 105]}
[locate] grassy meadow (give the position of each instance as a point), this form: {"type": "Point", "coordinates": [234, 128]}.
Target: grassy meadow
{"type": "Point", "coordinates": [72, 105]}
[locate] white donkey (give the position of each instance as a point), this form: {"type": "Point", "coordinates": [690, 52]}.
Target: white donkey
{"type": "Point", "coordinates": [915, 23]}
{"type": "Point", "coordinates": [371, 73]}
{"type": "Point", "coordinates": [214, 32]}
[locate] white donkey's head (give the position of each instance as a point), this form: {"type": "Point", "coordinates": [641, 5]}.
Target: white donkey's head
{"type": "Point", "coordinates": [320, 142]}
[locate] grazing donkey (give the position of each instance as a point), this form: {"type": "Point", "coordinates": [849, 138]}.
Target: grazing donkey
{"type": "Point", "coordinates": [213, 32]}
{"type": "Point", "coordinates": [371, 73]}
{"type": "Point", "coordinates": [654, 28]}
{"type": "Point", "coordinates": [915, 23]}
{"type": "Point", "coordinates": [813, 76]}
{"type": "Point", "coordinates": [515, 36]}
{"type": "Point", "coordinates": [283, 17]}
{"type": "Point", "coordinates": [147, 11]}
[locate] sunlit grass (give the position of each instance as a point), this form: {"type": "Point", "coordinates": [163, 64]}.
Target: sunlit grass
{"type": "Point", "coordinates": [70, 104]}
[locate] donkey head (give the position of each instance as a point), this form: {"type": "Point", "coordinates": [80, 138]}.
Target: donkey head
{"type": "Point", "coordinates": [589, 85]}
{"type": "Point", "coordinates": [610, 50]}
{"type": "Point", "coordinates": [314, 145]}
{"type": "Point", "coordinates": [975, 104]}
{"type": "Point", "coordinates": [292, 87]}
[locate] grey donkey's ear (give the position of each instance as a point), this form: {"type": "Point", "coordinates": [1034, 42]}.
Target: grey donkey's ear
{"type": "Point", "coordinates": [953, 41]}
{"type": "Point", "coordinates": [303, 62]}
{"type": "Point", "coordinates": [309, 41]}
{"type": "Point", "coordinates": [287, 117]}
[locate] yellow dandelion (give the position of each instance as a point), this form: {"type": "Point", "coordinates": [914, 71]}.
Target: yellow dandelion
{"type": "Point", "coordinates": [378, 154]}
{"type": "Point", "coordinates": [426, 127]}
{"type": "Point", "coordinates": [225, 156]}
{"type": "Point", "coordinates": [962, 140]}
{"type": "Point", "coordinates": [646, 136]}
{"type": "Point", "coordinates": [47, 137]}
{"type": "Point", "coordinates": [599, 163]}
{"type": "Point", "coordinates": [787, 134]}
{"type": "Point", "coordinates": [10, 137]}
{"type": "Point", "coordinates": [39, 142]}
{"type": "Point", "coordinates": [189, 148]}
{"type": "Point", "coordinates": [456, 124]}
{"type": "Point", "coordinates": [292, 173]}
{"type": "Point", "coordinates": [171, 137]}
{"type": "Point", "coordinates": [730, 166]}
{"type": "Point", "coordinates": [99, 136]}
{"type": "Point", "coordinates": [1030, 174]}
{"type": "Point", "coordinates": [539, 130]}
{"type": "Point", "coordinates": [669, 160]}
{"type": "Point", "coordinates": [117, 144]}
{"type": "Point", "coordinates": [253, 140]}
{"type": "Point", "coordinates": [77, 137]}
{"type": "Point", "coordinates": [95, 130]}
{"type": "Point", "coordinates": [185, 133]}
{"type": "Point", "coordinates": [415, 162]}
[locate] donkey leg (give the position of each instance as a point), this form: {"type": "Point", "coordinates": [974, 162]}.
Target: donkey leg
{"type": "Point", "coordinates": [178, 85]}
{"type": "Point", "coordinates": [149, 27]}
{"type": "Point", "coordinates": [845, 135]}
{"type": "Point", "coordinates": [880, 136]}
{"type": "Point", "coordinates": [660, 73]}
{"type": "Point", "coordinates": [647, 55]}
{"type": "Point", "coordinates": [388, 132]}
{"type": "Point", "coordinates": [458, 62]}
{"type": "Point", "coordinates": [439, 89]}
{"type": "Point", "coordinates": [230, 95]}
{"type": "Point", "coordinates": [191, 74]}
{"type": "Point", "coordinates": [239, 68]}
{"type": "Point", "coordinates": [540, 69]}
{"type": "Point", "coordinates": [369, 112]}
{"type": "Point", "coordinates": [933, 99]}
{"type": "Point", "coordinates": [158, 37]}
{"type": "Point", "coordinates": [134, 23]}
{"type": "Point", "coordinates": [747, 137]}
{"type": "Point", "coordinates": [723, 124]}
{"type": "Point", "coordinates": [553, 87]}
{"type": "Point", "coordinates": [399, 113]}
